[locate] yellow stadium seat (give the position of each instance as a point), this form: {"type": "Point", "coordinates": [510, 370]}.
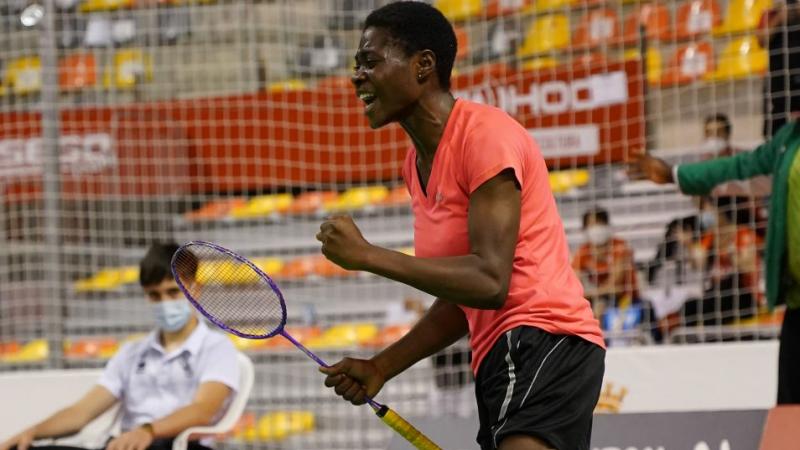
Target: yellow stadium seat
{"type": "Point", "coordinates": [34, 351]}
{"type": "Point", "coordinates": [741, 58]}
{"type": "Point", "coordinates": [270, 266]}
{"type": "Point", "coordinates": [104, 5]}
{"type": "Point", "coordinates": [263, 205]}
{"type": "Point", "coordinates": [360, 197]}
{"type": "Point", "coordinates": [108, 279]}
{"type": "Point", "coordinates": [566, 180]}
{"type": "Point", "coordinates": [546, 5]}
{"type": "Point", "coordinates": [457, 10]}
{"type": "Point", "coordinates": [742, 15]}
{"type": "Point", "coordinates": [547, 33]}
{"type": "Point", "coordinates": [24, 75]}
{"type": "Point", "coordinates": [654, 61]}
{"type": "Point", "coordinates": [541, 63]}
{"type": "Point", "coordinates": [344, 335]}
{"type": "Point", "coordinates": [293, 84]}
{"type": "Point", "coordinates": [130, 67]}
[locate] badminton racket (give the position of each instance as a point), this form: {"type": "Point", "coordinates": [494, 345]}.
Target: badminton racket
{"type": "Point", "coordinates": [237, 296]}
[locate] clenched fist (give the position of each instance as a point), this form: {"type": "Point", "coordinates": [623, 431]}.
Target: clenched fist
{"type": "Point", "coordinates": [343, 244]}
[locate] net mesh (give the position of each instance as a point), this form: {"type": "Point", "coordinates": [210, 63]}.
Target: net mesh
{"type": "Point", "coordinates": [127, 122]}
{"type": "Point", "coordinates": [229, 291]}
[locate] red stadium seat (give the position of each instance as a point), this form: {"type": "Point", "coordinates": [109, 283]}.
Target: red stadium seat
{"type": "Point", "coordinates": [463, 43]}
{"type": "Point", "coordinates": [689, 63]}
{"type": "Point", "coordinates": [697, 17]}
{"type": "Point", "coordinates": [597, 27]}
{"type": "Point", "coordinates": [653, 16]}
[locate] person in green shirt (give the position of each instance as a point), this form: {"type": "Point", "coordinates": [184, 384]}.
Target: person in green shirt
{"type": "Point", "coordinates": [780, 158]}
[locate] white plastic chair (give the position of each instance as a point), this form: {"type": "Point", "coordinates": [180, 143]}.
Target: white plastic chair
{"type": "Point", "coordinates": [246, 376]}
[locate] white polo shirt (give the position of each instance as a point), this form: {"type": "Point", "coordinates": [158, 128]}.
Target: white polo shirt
{"type": "Point", "coordinates": [151, 384]}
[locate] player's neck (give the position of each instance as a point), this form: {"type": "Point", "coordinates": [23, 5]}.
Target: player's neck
{"type": "Point", "coordinates": [426, 124]}
{"type": "Point", "coordinates": [172, 340]}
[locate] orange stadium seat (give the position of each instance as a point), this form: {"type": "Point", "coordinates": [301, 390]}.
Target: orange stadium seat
{"type": "Point", "coordinates": [741, 58]}
{"type": "Point", "coordinates": [397, 196]}
{"type": "Point", "coordinates": [387, 336]}
{"type": "Point", "coordinates": [458, 10]}
{"type": "Point", "coordinates": [24, 75]}
{"type": "Point", "coordinates": [313, 202]}
{"type": "Point", "coordinates": [88, 348]}
{"type": "Point", "coordinates": [326, 269]}
{"type": "Point", "coordinates": [597, 27]}
{"type": "Point", "coordinates": [293, 84]}
{"type": "Point", "coordinates": [495, 8]}
{"type": "Point", "coordinates": [77, 71]}
{"type": "Point", "coordinates": [215, 209]}
{"type": "Point", "coordinates": [299, 268]}
{"type": "Point", "coordinates": [547, 33]}
{"type": "Point", "coordinates": [463, 43]}
{"type": "Point", "coordinates": [742, 15]}
{"type": "Point", "coordinates": [689, 63]}
{"type": "Point", "coordinates": [697, 17]}
{"type": "Point", "coordinates": [655, 18]}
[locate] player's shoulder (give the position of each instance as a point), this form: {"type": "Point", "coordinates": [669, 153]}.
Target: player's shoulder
{"type": "Point", "coordinates": [131, 348]}
{"type": "Point", "coordinates": [482, 117]}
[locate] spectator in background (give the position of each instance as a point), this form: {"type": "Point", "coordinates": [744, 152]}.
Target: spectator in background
{"type": "Point", "coordinates": [728, 256]}
{"type": "Point", "coordinates": [179, 376]}
{"type": "Point", "coordinates": [717, 135]}
{"type": "Point", "coordinates": [604, 263]}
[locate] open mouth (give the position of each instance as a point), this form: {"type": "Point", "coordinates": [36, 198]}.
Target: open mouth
{"type": "Point", "coordinates": [367, 98]}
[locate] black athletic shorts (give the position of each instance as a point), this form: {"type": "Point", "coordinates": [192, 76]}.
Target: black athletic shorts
{"type": "Point", "coordinates": [539, 384]}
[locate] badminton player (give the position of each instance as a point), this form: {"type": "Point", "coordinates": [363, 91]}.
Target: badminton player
{"type": "Point", "coordinates": [489, 245]}
{"type": "Point", "coordinates": [181, 375]}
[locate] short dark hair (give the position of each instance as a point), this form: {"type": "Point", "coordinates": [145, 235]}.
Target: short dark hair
{"type": "Point", "coordinates": [721, 118]}
{"type": "Point", "coordinates": [417, 26]}
{"type": "Point", "coordinates": [600, 214]}
{"type": "Point", "coordinates": [155, 267]}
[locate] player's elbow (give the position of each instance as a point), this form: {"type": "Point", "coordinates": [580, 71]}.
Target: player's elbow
{"type": "Point", "coordinates": [495, 296]}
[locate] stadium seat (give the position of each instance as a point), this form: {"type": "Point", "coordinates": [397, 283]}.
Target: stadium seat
{"type": "Point", "coordinates": [654, 62]}
{"type": "Point", "coordinates": [741, 58]}
{"type": "Point", "coordinates": [503, 37]}
{"type": "Point", "coordinates": [279, 425]}
{"type": "Point", "coordinates": [458, 10]}
{"type": "Point", "coordinates": [298, 268]}
{"type": "Point", "coordinates": [344, 335]}
{"type": "Point", "coordinates": [549, 5]}
{"type": "Point", "coordinates": [33, 351]}
{"type": "Point", "coordinates": [215, 209]}
{"type": "Point", "coordinates": [495, 8]}
{"type": "Point", "coordinates": [91, 348]}
{"type": "Point", "coordinates": [696, 17]}
{"type": "Point", "coordinates": [129, 69]}
{"type": "Point", "coordinates": [293, 84]}
{"type": "Point", "coordinates": [104, 5]}
{"type": "Point", "coordinates": [540, 63]}
{"type": "Point", "coordinates": [655, 18]}
{"type": "Point", "coordinates": [232, 413]}
{"type": "Point", "coordinates": [108, 279]}
{"type": "Point", "coordinates": [313, 202]}
{"type": "Point", "coordinates": [387, 336]}
{"type": "Point", "coordinates": [546, 34]}
{"type": "Point", "coordinates": [77, 71]}
{"type": "Point", "coordinates": [597, 27]}
{"type": "Point", "coordinates": [565, 180]}
{"type": "Point", "coordinates": [689, 63]}
{"type": "Point", "coordinates": [24, 75]}
{"type": "Point", "coordinates": [270, 266]}
{"type": "Point", "coordinates": [397, 196]}
{"type": "Point", "coordinates": [463, 43]}
{"type": "Point", "coordinates": [262, 206]}
{"type": "Point", "coordinates": [742, 15]}
{"type": "Point", "coordinates": [326, 269]}
{"type": "Point", "coordinates": [360, 198]}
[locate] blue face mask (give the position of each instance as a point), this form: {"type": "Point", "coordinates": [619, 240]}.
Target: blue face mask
{"type": "Point", "coordinates": [172, 315]}
{"type": "Point", "coordinates": [708, 219]}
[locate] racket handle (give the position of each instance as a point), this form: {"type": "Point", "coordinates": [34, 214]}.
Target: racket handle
{"type": "Point", "coordinates": [405, 429]}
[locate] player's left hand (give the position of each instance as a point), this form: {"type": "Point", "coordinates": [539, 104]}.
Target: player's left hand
{"type": "Point", "coordinates": [136, 439]}
{"type": "Point", "coordinates": [343, 243]}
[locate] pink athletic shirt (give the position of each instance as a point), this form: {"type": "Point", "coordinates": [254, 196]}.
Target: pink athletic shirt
{"type": "Point", "coordinates": [478, 143]}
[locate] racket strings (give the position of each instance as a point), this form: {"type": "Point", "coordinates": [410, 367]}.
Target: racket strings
{"type": "Point", "coordinates": [229, 290]}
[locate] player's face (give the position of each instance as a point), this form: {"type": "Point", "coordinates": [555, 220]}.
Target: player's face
{"type": "Point", "coordinates": [384, 78]}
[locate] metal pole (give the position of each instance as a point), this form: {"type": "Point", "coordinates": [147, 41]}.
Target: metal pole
{"type": "Point", "coordinates": [51, 186]}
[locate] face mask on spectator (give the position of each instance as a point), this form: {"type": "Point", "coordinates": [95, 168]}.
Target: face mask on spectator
{"type": "Point", "coordinates": [708, 219]}
{"type": "Point", "coordinates": [172, 315]}
{"type": "Point", "coordinates": [597, 234]}
{"type": "Point", "coordinates": [714, 144]}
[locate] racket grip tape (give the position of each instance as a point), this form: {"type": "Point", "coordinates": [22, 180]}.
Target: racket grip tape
{"type": "Point", "coordinates": [405, 429]}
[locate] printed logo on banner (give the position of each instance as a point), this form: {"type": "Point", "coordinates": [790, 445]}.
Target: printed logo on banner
{"type": "Point", "coordinates": [611, 399]}
{"type": "Point", "coordinates": [78, 154]}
